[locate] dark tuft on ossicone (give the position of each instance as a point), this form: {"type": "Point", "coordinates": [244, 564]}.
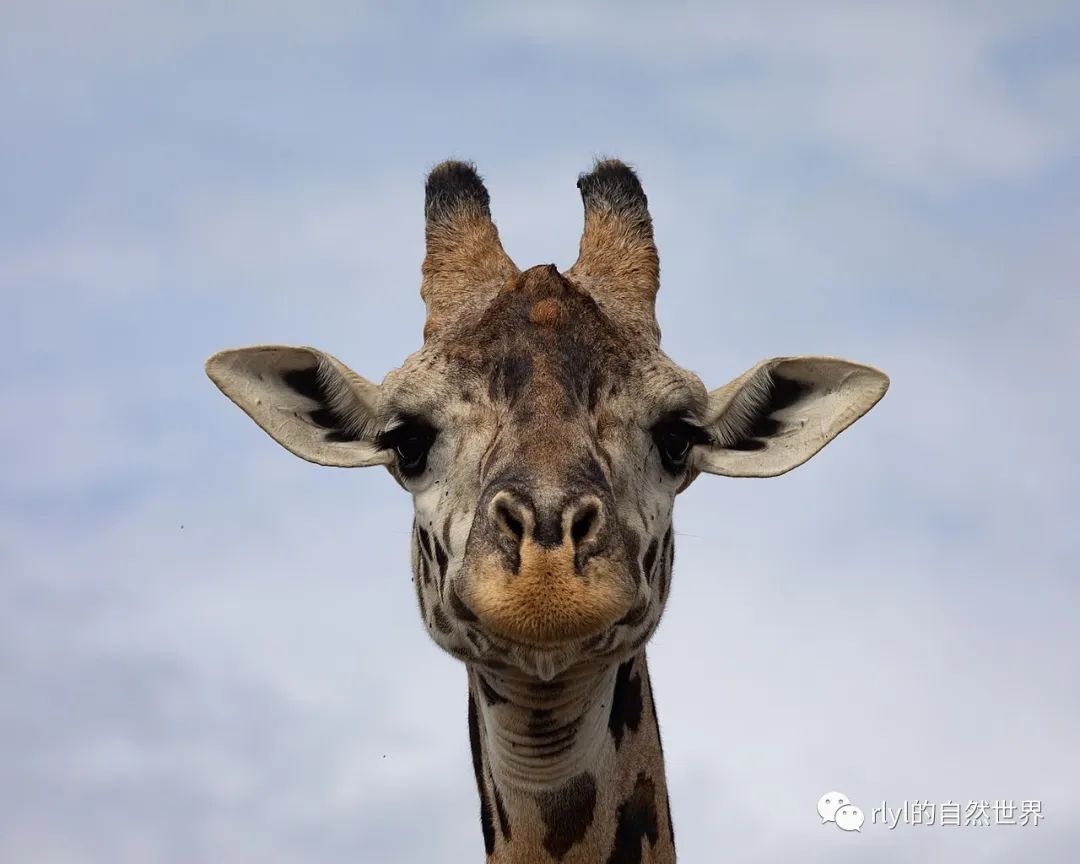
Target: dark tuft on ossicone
{"type": "Point", "coordinates": [613, 185]}
{"type": "Point", "coordinates": [452, 187]}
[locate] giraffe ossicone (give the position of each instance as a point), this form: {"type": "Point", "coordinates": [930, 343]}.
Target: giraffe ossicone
{"type": "Point", "coordinates": [544, 435]}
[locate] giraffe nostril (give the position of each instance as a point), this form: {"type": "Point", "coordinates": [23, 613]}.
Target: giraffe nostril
{"type": "Point", "coordinates": [510, 516]}
{"type": "Point", "coordinates": [583, 524]}
{"type": "Point", "coordinates": [584, 521]}
{"type": "Point", "coordinates": [511, 523]}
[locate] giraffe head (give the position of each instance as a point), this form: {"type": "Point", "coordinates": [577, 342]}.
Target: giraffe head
{"type": "Point", "coordinates": [541, 431]}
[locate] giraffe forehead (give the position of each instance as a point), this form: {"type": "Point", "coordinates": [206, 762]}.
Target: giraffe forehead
{"type": "Point", "coordinates": [543, 349]}
{"type": "Point", "coordinates": [548, 343]}
{"type": "Point", "coordinates": [541, 302]}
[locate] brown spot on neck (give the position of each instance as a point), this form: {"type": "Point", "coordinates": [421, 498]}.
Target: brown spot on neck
{"type": "Point", "coordinates": [567, 814]}
{"type": "Point", "coordinates": [637, 822]}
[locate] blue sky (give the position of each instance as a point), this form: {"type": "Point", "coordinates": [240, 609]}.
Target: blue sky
{"type": "Point", "coordinates": [209, 649]}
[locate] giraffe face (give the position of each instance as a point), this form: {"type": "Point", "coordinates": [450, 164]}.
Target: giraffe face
{"type": "Point", "coordinates": [542, 432]}
{"type": "Point", "coordinates": [543, 446]}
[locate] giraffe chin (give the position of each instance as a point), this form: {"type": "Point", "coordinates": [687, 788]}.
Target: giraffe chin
{"type": "Point", "coordinates": [547, 602]}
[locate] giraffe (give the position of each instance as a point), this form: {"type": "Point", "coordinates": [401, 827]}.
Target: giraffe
{"type": "Point", "coordinates": [543, 436]}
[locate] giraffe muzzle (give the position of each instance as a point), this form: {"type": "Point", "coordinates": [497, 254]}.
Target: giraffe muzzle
{"type": "Point", "coordinates": [547, 601]}
{"type": "Point", "coordinates": [546, 578]}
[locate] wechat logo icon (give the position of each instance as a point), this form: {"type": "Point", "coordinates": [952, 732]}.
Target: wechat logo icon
{"type": "Point", "coordinates": [837, 808]}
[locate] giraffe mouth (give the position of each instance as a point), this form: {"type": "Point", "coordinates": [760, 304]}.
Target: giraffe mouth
{"type": "Point", "coordinates": [547, 602]}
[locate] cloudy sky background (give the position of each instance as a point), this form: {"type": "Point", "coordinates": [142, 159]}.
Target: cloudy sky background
{"type": "Point", "coordinates": [209, 650]}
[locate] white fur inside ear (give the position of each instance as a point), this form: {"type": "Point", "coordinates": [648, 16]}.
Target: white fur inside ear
{"type": "Point", "coordinates": [352, 399]}
{"type": "Point", "coordinates": [740, 412]}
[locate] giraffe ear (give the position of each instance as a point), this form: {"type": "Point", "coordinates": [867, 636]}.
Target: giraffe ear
{"type": "Point", "coordinates": [312, 404]}
{"type": "Point", "coordinates": [782, 411]}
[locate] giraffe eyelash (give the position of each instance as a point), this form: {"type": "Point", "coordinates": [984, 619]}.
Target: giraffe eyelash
{"type": "Point", "coordinates": [685, 422]}
{"type": "Point", "coordinates": [400, 427]}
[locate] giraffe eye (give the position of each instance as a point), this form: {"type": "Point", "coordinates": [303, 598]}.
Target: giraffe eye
{"type": "Point", "coordinates": [411, 443]}
{"type": "Point", "coordinates": [674, 437]}
{"type": "Point", "coordinates": [412, 453]}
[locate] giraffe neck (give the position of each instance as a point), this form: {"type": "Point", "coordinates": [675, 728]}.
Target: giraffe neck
{"type": "Point", "coordinates": [570, 770]}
